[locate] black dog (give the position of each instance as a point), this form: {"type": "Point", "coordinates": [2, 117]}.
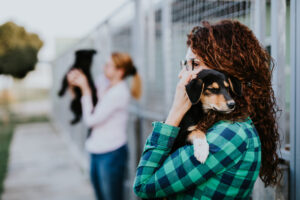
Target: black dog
{"type": "Point", "coordinates": [83, 61]}
{"type": "Point", "coordinates": [210, 90]}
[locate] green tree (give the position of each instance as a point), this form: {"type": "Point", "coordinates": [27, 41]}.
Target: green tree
{"type": "Point", "coordinates": [18, 50]}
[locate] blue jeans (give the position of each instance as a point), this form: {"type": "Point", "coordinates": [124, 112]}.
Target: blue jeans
{"type": "Point", "coordinates": [107, 173]}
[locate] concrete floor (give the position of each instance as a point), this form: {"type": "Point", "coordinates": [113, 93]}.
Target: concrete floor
{"type": "Point", "coordinates": [41, 167]}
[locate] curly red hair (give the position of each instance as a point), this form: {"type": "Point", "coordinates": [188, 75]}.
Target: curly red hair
{"type": "Point", "coordinates": [232, 48]}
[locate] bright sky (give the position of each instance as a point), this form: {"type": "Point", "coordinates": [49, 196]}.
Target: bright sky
{"type": "Point", "coordinates": [57, 18]}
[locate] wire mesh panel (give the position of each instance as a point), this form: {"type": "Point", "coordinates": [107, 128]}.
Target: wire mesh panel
{"type": "Point", "coordinates": [189, 13]}
{"type": "Point", "coordinates": [154, 93]}
{"type": "Point", "coordinates": [120, 25]}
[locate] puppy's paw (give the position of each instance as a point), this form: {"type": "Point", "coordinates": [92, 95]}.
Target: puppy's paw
{"type": "Point", "coordinates": [201, 149]}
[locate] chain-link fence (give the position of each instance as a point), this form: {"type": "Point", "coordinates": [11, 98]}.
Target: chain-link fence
{"type": "Point", "coordinates": [154, 32]}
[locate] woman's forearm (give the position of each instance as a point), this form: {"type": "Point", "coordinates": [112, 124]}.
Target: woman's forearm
{"type": "Point", "coordinates": [85, 89]}
{"type": "Point", "coordinates": [174, 117]}
{"type": "Point", "coordinates": [157, 149]}
{"type": "Point", "coordinates": [181, 103]}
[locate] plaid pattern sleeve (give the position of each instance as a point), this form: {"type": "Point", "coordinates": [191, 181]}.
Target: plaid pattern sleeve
{"type": "Point", "coordinates": [229, 171]}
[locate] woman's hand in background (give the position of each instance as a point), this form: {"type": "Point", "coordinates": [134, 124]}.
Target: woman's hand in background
{"type": "Point", "coordinates": [181, 103]}
{"type": "Point", "coordinates": [77, 78]}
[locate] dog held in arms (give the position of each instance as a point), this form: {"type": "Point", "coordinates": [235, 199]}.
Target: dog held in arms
{"type": "Point", "coordinates": [211, 91]}
{"type": "Point", "coordinates": [83, 61]}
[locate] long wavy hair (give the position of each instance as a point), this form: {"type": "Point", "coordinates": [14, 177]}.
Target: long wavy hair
{"type": "Point", "coordinates": [232, 48]}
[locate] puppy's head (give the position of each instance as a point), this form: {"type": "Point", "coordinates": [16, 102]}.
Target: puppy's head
{"type": "Point", "coordinates": [84, 57]}
{"type": "Point", "coordinates": [213, 89]}
{"type": "Point", "coordinates": [85, 52]}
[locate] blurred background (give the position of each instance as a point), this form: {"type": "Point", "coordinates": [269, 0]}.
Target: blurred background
{"type": "Point", "coordinates": [43, 157]}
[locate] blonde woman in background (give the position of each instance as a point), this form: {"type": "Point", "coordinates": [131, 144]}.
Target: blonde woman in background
{"type": "Point", "coordinates": [107, 143]}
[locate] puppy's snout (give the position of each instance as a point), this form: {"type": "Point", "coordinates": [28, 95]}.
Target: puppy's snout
{"type": "Point", "coordinates": [231, 104]}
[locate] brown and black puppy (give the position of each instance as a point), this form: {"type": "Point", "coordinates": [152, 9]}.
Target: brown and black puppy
{"type": "Point", "coordinates": [210, 90]}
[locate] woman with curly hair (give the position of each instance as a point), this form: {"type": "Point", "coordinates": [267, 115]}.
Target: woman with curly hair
{"type": "Point", "coordinates": [242, 144]}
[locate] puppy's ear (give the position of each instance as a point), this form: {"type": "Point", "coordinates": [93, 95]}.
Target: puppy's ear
{"type": "Point", "coordinates": [194, 89]}
{"type": "Point", "coordinates": [235, 85]}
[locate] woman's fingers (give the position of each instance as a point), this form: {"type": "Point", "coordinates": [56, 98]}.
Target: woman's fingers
{"type": "Point", "coordinates": [73, 75]}
{"type": "Point", "coordinates": [180, 73]}
{"type": "Point", "coordinates": [77, 78]}
{"type": "Point", "coordinates": [186, 76]}
{"type": "Point", "coordinates": [70, 77]}
{"type": "Point", "coordinates": [75, 72]}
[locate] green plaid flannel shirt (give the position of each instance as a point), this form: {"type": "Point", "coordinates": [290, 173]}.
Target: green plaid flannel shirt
{"type": "Point", "coordinates": [229, 172]}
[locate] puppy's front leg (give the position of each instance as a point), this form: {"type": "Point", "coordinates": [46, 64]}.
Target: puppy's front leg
{"type": "Point", "coordinates": [201, 147]}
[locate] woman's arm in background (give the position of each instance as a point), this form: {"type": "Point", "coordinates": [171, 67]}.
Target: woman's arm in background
{"type": "Point", "coordinates": [109, 105]}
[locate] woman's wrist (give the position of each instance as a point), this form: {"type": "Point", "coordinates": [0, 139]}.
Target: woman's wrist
{"type": "Point", "coordinates": [85, 90]}
{"type": "Point", "coordinates": [174, 117]}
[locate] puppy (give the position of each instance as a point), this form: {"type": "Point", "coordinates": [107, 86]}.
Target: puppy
{"type": "Point", "coordinates": [210, 90]}
{"type": "Point", "coordinates": [83, 61]}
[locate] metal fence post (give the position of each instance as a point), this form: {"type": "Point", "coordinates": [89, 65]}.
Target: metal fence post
{"type": "Point", "coordinates": [259, 19]}
{"type": "Point", "coordinates": [166, 41]}
{"type": "Point", "coordinates": [278, 46]}
{"type": "Point", "coordinates": [151, 40]}
{"type": "Point", "coordinates": [138, 42]}
{"type": "Point", "coordinates": [295, 99]}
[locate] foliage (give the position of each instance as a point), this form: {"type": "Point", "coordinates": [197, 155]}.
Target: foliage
{"type": "Point", "coordinates": [5, 138]}
{"type": "Point", "coordinates": [18, 50]}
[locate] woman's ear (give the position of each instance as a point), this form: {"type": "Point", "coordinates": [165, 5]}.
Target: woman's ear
{"type": "Point", "coordinates": [194, 90]}
{"type": "Point", "coordinates": [235, 85]}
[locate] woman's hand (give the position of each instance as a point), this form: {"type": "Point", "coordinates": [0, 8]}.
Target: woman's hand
{"type": "Point", "coordinates": [181, 103]}
{"type": "Point", "coordinates": [77, 78]}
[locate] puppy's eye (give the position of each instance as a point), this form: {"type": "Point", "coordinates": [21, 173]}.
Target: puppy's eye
{"type": "Point", "coordinates": [214, 90]}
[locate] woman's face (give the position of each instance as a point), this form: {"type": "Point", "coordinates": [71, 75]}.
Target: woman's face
{"type": "Point", "coordinates": [110, 70]}
{"type": "Point", "coordinates": [198, 63]}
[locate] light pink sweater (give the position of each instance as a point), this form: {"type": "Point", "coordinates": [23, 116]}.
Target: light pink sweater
{"type": "Point", "coordinates": [109, 118]}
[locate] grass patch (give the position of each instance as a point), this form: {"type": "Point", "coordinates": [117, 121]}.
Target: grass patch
{"type": "Point", "coordinates": [6, 133]}
{"type": "Point", "coordinates": [5, 139]}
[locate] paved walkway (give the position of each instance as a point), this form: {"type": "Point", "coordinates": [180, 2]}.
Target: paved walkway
{"type": "Point", "coordinates": [42, 168]}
